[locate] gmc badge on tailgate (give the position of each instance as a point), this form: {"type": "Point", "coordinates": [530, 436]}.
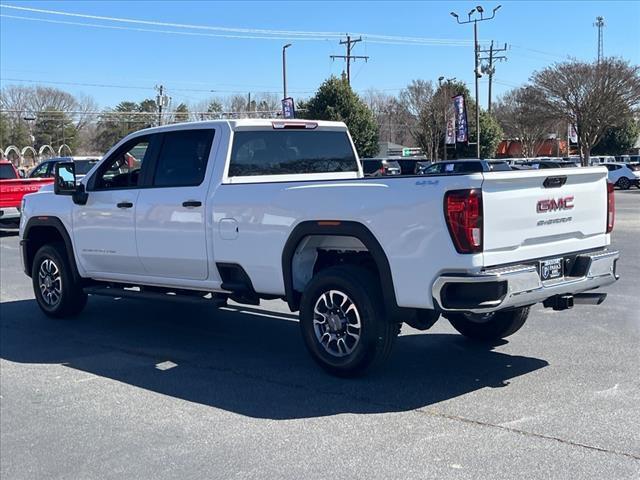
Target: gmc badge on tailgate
{"type": "Point", "coordinates": [551, 205]}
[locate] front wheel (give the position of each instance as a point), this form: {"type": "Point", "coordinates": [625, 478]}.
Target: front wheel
{"type": "Point", "coordinates": [57, 292]}
{"type": "Point", "coordinates": [489, 327]}
{"type": "Point", "coordinates": [343, 322]}
{"type": "Point", "coordinates": [624, 183]}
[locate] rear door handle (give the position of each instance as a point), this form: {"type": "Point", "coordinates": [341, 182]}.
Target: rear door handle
{"type": "Point", "coordinates": [192, 203]}
{"type": "Point", "coordinates": [124, 205]}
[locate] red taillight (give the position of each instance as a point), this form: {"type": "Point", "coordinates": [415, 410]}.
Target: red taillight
{"type": "Point", "coordinates": [611, 207]}
{"type": "Point", "coordinates": [463, 212]}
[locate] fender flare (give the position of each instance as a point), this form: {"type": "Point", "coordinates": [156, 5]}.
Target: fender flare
{"type": "Point", "coordinates": [55, 223]}
{"type": "Point", "coordinates": [338, 228]}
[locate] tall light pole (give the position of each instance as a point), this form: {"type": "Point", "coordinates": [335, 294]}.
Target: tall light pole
{"type": "Point", "coordinates": [476, 54]}
{"type": "Point", "coordinates": [284, 69]}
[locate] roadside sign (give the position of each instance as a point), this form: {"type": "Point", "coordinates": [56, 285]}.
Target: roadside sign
{"type": "Point", "coordinates": [288, 108]}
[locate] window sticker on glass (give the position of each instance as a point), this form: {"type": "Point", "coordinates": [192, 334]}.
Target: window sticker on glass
{"type": "Point", "coordinates": [448, 167]}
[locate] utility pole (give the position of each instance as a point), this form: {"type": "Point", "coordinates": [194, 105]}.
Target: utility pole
{"type": "Point", "coordinates": [162, 101]}
{"type": "Point", "coordinates": [348, 57]}
{"type": "Point", "coordinates": [600, 25]}
{"type": "Point", "coordinates": [490, 69]}
{"type": "Point", "coordinates": [476, 51]}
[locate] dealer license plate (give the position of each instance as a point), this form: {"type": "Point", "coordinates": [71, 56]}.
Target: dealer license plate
{"type": "Point", "coordinates": [551, 268]}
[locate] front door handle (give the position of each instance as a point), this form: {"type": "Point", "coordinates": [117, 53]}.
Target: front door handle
{"type": "Point", "coordinates": [124, 205]}
{"type": "Point", "coordinates": [192, 203]}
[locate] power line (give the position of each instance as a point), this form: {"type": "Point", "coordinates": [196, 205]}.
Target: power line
{"type": "Point", "coordinates": [228, 32]}
{"type": "Point", "coordinates": [131, 87]}
{"type": "Point", "coordinates": [168, 24]}
{"type": "Point", "coordinates": [150, 30]}
{"type": "Point", "coordinates": [111, 113]}
{"type": "Point", "coordinates": [542, 52]}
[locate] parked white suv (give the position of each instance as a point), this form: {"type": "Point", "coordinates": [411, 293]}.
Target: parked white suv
{"type": "Point", "coordinates": [623, 175]}
{"type": "Point", "coordinates": [260, 209]}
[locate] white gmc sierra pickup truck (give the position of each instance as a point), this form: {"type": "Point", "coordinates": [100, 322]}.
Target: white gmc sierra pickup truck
{"type": "Point", "coordinates": [261, 209]}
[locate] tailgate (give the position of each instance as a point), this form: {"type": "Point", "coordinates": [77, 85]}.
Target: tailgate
{"type": "Point", "coordinates": [528, 214]}
{"type": "Point", "coordinates": [12, 191]}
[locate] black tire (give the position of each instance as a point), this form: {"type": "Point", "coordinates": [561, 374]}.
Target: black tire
{"type": "Point", "coordinates": [491, 327]}
{"type": "Point", "coordinates": [376, 334]}
{"type": "Point", "coordinates": [623, 183]}
{"type": "Point", "coordinates": [51, 261]}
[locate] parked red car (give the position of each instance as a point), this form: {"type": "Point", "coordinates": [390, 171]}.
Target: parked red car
{"type": "Point", "coordinates": [13, 188]}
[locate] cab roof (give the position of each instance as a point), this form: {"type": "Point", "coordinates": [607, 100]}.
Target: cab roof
{"type": "Point", "coordinates": [251, 123]}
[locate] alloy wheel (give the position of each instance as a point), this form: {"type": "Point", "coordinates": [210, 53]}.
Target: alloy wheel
{"type": "Point", "coordinates": [336, 323]}
{"type": "Point", "coordinates": [50, 282]}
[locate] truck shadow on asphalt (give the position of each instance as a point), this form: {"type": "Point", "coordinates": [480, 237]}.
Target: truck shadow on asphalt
{"type": "Point", "coordinates": [243, 360]}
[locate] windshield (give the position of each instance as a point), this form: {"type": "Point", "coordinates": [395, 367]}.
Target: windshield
{"type": "Point", "coordinates": [7, 172]}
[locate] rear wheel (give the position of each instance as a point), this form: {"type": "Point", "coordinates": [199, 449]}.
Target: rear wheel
{"type": "Point", "coordinates": [56, 290]}
{"type": "Point", "coordinates": [624, 183]}
{"type": "Point", "coordinates": [343, 322]}
{"type": "Point", "coordinates": [490, 326]}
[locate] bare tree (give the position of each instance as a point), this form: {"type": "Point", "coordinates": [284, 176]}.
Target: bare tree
{"type": "Point", "coordinates": [417, 99]}
{"type": "Point", "coordinates": [393, 118]}
{"type": "Point", "coordinates": [523, 116]}
{"type": "Point", "coordinates": [589, 95]}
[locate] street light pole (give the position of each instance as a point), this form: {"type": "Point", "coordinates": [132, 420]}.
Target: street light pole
{"type": "Point", "coordinates": [284, 69]}
{"type": "Point", "coordinates": [476, 53]}
{"type": "Point", "coordinates": [476, 48]}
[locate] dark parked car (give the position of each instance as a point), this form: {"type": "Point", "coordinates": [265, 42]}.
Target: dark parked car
{"type": "Point", "coordinates": [411, 165]}
{"type": "Point", "coordinates": [378, 167]}
{"type": "Point", "coordinates": [46, 168]}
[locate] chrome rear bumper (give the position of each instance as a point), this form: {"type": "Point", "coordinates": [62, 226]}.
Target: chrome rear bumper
{"type": "Point", "coordinates": [9, 213]}
{"type": "Point", "coordinates": [519, 285]}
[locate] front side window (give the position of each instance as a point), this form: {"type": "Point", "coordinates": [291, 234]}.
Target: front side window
{"type": "Point", "coordinates": [122, 170]}
{"type": "Point", "coordinates": [183, 158]}
{"type": "Point", "coordinates": [435, 169]}
{"type": "Point", "coordinates": [83, 166]}
{"type": "Point", "coordinates": [282, 152]}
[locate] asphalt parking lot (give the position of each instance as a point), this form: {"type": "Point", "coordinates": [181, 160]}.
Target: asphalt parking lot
{"type": "Point", "coordinates": [160, 390]}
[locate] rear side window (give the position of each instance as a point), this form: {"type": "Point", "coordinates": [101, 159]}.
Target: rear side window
{"type": "Point", "coordinates": [182, 161]}
{"type": "Point", "coordinates": [499, 167]}
{"type": "Point", "coordinates": [7, 172]}
{"type": "Point", "coordinates": [282, 152]}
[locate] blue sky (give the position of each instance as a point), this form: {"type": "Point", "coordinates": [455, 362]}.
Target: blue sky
{"type": "Point", "coordinates": [539, 34]}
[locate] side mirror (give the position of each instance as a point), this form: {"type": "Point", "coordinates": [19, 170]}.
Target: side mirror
{"type": "Point", "coordinates": [21, 173]}
{"type": "Point", "coordinates": [64, 178]}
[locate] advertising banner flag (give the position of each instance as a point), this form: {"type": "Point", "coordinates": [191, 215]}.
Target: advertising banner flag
{"type": "Point", "coordinates": [573, 135]}
{"type": "Point", "coordinates": [288, 108]}
{"type": "Point", "coordinates": [462, 130]}
{"type": "Point", "coordinates": [450, 133]}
